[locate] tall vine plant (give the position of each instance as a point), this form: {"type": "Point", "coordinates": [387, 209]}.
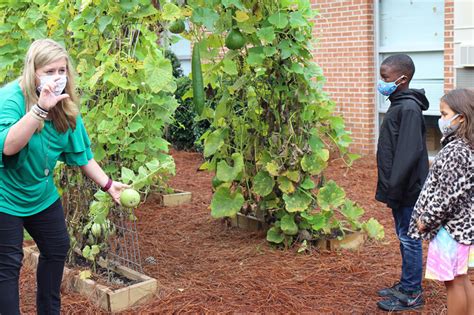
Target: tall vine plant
{"type": "Point", "coordinates": [125, 84]}
{"type": "Point", "coordinates": [273, 130]}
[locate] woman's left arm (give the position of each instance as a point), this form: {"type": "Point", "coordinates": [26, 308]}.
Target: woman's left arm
{"type": "Point", "coordinates": [97, 174]}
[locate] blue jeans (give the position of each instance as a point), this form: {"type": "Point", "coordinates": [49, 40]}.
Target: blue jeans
{"type": "Point", "coordinates": [48, 229]}
{"type": "Point", "coordinates": [410, 249]}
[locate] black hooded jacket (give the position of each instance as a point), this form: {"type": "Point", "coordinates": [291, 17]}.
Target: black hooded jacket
{"type": "Point", "coordinates": [402, 157]}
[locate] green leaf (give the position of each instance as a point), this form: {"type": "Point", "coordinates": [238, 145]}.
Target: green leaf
{"type": "Point", "coordinates": [351, 211]}
{"type": "Point", "coordinates": [266, 34]}
{"type": "Point", "coordinates": [279, 20]}
{"type": "Point", "coordinates": [213, 142]}
{"type": "Point", "coordinates": [297, 68]}
{"type": "Point", "coordinates": [275, 235]}
{"type": "Point", "coordinates": [159, 74]}
{"type": "Point", "coordinates": [120, 81]}
{"type": "Point", "coordinates": [297, 19]}
{"type": "Point", "coordinates": [95, 249]}
{"type": "Point", "coordinates": [237, 3]}
{"type": "Point", "coordinates": [230, 67]}
{"type": "Point", "coordinates": [127, 175]}
{"type": "Point", "coordinates": [104, 21]}
{"type": "Point", "coordinates": [263, 183]}
{"type": "Point", "coordinates": [319, 221]}
{"type": "Point", "coordinates": [137, 147]}
{"type": "Point", "coordinates": [308, 184]}
{"type": "Point", "coordinates": [374, 229]}
{"type": "Point", "coordinates": [331, 195]}
{"type": "Point", "coordinates": [269, 51]}
{"type": "Point", "coordinates": [226, 204]}
{"type": "Point", "coordinates": [170, 12]}
{"type": "Point", "coordinates": [313, 164]}
{"type": "Point", "coordinates": [297, 202]}
{"type": "Point", "coordinates": [285, 48]}
{"type": "Point", "coordinates": [285, 185]}
{"type": "Point", "coordinates": [134, 127]}
{"type": "Point", "coordinates": [256, 56]}
{"type": "Point", "coordinates": [315, 143]}
{"type": "Point", "coordinates": [288, 225]}
{"type": "Point", "coordinates": [323, 154]}
{"type": "Point", "coordinates": [206, 17]}
{"type": "Point", "coordinates": [226, 173]}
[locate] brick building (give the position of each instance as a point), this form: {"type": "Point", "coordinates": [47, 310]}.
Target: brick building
{"type": "Point", "coordinates": [354, 36]}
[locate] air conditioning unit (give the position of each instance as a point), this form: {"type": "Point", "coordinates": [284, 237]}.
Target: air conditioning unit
{"type": "Point", "coordinates": [466, 56]}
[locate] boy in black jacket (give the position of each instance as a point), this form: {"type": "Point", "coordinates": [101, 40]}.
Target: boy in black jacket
{"type": "Point", "coordinates": [402, 162]}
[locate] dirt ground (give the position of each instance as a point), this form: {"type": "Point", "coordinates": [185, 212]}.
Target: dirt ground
{"type": "Point", "coordinates": [205, 266]}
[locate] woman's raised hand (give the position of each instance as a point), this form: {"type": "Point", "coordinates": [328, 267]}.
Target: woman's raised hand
{"type": "Point", "coordinates": [47, 99]}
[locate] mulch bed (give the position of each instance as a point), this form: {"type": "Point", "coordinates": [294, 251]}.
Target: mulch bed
{"type": "Point", "coordinates": [205, 266]}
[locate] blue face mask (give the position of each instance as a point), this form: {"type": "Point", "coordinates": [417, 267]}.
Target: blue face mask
{"type": "Point", "coordinates": [387, 88]}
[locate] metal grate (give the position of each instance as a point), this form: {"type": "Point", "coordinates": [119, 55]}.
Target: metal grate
{"type": "Point", "coordinates": [123, 247]}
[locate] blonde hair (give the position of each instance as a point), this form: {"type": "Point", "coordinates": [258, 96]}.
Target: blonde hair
{"type": "Point", "coordinates": [41, 53]}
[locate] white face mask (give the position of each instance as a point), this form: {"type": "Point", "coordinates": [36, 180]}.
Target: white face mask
{"type": "Point", "coordinates": [60, 84]}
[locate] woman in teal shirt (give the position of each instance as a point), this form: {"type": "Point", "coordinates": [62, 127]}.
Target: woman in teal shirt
{"type": "Point", "coordinates": [39, 125]}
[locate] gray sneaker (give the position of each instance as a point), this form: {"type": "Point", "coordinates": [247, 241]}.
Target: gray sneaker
{"type": "Point", "coordinates": [388, 292]}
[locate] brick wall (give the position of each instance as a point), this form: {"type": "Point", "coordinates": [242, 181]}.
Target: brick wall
{"type": "Point", "coordinates": [448, 45]}
{"type": "Point", "coordinates": [345, 51]}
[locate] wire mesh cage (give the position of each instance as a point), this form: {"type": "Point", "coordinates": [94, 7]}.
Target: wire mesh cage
{"type": "Point", "coordinates": [120, 247]}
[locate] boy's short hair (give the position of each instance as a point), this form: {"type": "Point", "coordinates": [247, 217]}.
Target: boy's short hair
{"type": "Point", "coordinates": [402, 63]}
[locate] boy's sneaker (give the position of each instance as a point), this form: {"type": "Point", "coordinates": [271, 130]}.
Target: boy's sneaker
{"type": "Point", "coordinates": [390, 291]}
{"type": "Point", "coordinates": [403, 301]}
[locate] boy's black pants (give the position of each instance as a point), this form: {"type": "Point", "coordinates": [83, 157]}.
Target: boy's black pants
{"type": "Point", "coordinates": [48, 229]}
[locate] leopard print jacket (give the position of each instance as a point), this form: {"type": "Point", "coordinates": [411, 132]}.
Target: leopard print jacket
{"type": "Point", "coordinates": [447, 198]}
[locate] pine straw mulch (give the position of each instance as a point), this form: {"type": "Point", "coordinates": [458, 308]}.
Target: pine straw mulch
{"type": "Point", "coordinates": [205, 266]}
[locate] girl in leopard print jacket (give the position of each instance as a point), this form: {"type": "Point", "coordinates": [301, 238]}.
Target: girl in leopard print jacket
{"type": "Point", "coordinates": [444, 212]}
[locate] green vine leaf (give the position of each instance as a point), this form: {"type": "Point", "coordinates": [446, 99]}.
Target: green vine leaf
{"type": "Point", "coordinates": [288, 225]}
{"type": "Point", "coordinates": [263, 184]}
{"type": "Point", "coordinates": [285, 185]}
{"type": "Point", "coordinates": [213, 142]}
{"type": "Point", "coordinates": [275, 235]}
{"type": "Point", "coordinates": [330, 196]}
{"type": "Point", "coordinates": [374, 229]}
{"type": "Point", "coordinates": [279, 20]}
{"type": "Point", "coordinates": [225, 203]}
{"type": "Point", "coordinates": [226, 173]}
{"type": "Point", "coordinates": [297, 202]}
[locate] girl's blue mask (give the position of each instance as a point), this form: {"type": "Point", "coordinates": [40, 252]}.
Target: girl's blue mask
{"type": "Point", "coordinates": [387, 88]}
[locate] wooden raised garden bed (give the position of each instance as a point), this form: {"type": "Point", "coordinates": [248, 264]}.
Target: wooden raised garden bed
{"type": "Point", "coordinates": [249, 223]}
{"type": "Point", "coordinates": [142, 289]}
{"type": "Point", "coordinates": [178, 197]}
{"type": "Point", "coordinates": [351, 240]}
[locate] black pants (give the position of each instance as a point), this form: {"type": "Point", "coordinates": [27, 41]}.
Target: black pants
{"type": "Point", "coordinates": [48, 229]}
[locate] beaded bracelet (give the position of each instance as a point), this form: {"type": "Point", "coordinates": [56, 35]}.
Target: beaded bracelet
{"type": "Point", "coordinates": [38, 118]}
{"type": "Point", "coordinates": [39, 111]}
{"type": "Point", "coordinates": [108, 185]}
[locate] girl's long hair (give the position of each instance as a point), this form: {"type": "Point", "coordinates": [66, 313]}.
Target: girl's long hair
{"type": "Point", "coordinates": [41, 53]}
{"type": "Point", "coordinates": [461, 101]}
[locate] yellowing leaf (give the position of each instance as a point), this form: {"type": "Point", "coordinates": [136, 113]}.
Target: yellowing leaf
{"type": "Point", "coordinates": [85, 274]}
{"type": "Point", "coordinates": [241, 16]}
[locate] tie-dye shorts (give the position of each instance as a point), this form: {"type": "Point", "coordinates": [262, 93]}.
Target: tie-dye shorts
{"type": "Point", "coordinates": [448, 258]}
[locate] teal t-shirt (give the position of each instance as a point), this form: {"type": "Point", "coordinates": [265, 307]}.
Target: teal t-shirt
{"type": "Point", "coordinates": [25, 189]}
